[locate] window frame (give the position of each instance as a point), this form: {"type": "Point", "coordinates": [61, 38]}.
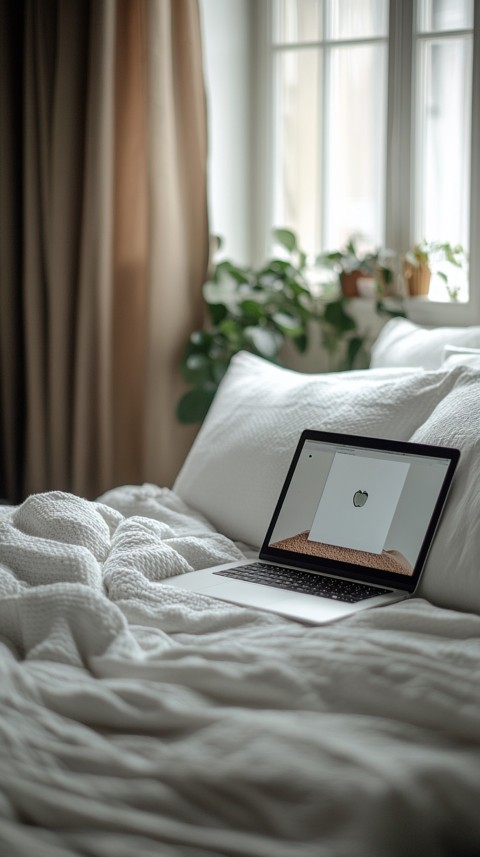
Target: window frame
{"type": "Point", "coordinates": [399, 161]}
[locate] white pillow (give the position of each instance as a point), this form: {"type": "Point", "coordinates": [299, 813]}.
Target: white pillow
{"type": "Point", "coordinates": [454, 355]}
{"type": "Point", "coordinates": [236, 467]}
{"type": "Point", "coordinates": [452, 573]}
{"type": "Point", "coordinates": [403, 343]}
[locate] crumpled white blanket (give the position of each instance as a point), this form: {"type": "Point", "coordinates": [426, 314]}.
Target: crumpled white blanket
{"type": "Point", "coordinates": [137, 719]}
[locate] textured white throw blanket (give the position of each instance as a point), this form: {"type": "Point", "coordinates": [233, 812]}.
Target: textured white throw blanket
{"type": "Point", "coordinates": [137, 719]}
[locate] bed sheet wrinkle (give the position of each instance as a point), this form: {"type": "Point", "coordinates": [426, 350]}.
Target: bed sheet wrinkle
{"type": "Point", "coordinates": [18, 840]}
{"type": "Point", "coordinates": [35, 561]}
{"type": "Point", "coordinates": [61, 517]}
{"type": "Point", "coordinates": [183, 613]}
{"type": "Point", "coordinates": [145, 551]}
{"type": "Point", "coordinates": [417, 690]}
{"type": "Point", "coordinates": [255, 782]}
{"type": "Point", "coordinates": [139, 719]}
{"type": "Point", "coordinates": [156, 503]}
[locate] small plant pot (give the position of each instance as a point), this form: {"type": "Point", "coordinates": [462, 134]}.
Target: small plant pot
{"type": "Point", "coordinates": [348, 282]}
{"type": "Point", "coordinates": [417, 279]}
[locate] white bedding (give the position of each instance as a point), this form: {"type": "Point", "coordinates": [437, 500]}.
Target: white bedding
{"type": "Point", "coordinates": [137, 719]}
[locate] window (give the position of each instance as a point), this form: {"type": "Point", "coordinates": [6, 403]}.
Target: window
{"type": "Point", "coordinates": [330, 107]}
{"type": "Point", "coordinates": [374, 119]}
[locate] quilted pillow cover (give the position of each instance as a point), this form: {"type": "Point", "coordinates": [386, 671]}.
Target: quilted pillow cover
{"type": "Point", "coordinates": [452, 573]}
{"type": "Point", "coordinates": [238, 462]}
{"type": "Point", "coordinates": [454, 355]}
{"type": "Point", "coordinates": [403, 343]}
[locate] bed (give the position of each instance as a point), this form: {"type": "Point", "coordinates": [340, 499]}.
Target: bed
{"type": "Point", "coordinates": [139, 719]}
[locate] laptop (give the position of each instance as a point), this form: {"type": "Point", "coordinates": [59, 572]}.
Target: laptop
{"type": "Point", "coordinates": [351, 530]}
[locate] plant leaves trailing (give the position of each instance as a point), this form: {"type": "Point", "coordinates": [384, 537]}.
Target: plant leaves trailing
{"type": "Point", "coordinates": [260, 311]}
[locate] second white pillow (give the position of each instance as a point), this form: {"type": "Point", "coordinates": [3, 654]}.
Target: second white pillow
{"type": "Point", "coordinates": [403, 343]}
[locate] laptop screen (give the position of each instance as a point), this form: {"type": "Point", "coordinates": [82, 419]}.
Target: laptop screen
{"type": "Point", "coordinates": [362, 506]}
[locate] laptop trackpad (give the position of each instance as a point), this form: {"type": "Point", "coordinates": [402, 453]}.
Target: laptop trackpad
{"type": "Point", "coordinates": [250, 594]}
{"type": "Point", "coordinates": [293, 605]}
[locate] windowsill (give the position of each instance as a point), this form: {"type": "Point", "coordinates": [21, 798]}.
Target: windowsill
{"type": "Point", "coordinates": [424, 311]}
{"type": "Point", "coordinates": [432, 313]}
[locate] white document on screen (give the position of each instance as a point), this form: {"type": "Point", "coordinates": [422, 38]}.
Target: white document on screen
{"type": "Point", "coordinates": [358, 502]}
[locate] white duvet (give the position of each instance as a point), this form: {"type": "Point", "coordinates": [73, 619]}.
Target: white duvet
{"type": "Point", "coordinates": [137, 719]}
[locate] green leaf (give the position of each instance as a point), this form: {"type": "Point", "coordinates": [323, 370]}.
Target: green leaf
{"type": "Point", "coordinates": [218, 369]}
{"type": "Point", "coordinates": [252, 310]}
{"type": "Point", "coordinates": [196, 369]}
{"type": "Point", "coordinates": [199, 340]}
{"type": "Point", "coordinates": [194, 405]}
{"type": "Point", "coordinates": [286, 238]}
{"type": "Point", "coordinates": [383, 309]}
{"type": "Point", "coordinates": [273, 276]}
{"type": "Point", "coordinates": [298, 288]}
{"type": "Point", "coordinates": [302, 259]}
{"type": "Point", "coordinates": [227, 270]}
{"type": "Point", "coordinates": [217, 313]}
{"type": "Point", "coordinates": [335, 256]}
{"type": "Point", "coordinates": [232, 331]}
{"type": "Point", "coordinates": [222, 292]}
{"type": "Point", "coordinates": [218, 240]}
{"type": "Point", "coordinates": [288, 324]}
{"type": "Point", "coordinates": [336, 316]}
{"type": "Point", "coordinates": [386, 275]}
{"type": "Point", "coordinates": [301, 343]}
{"type": "Point", "coordinates": [266, 342]}
{"type": "Point", "coordinates": [354, 347]}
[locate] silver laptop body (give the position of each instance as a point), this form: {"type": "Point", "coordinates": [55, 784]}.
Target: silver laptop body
{"type": "Point", "coordinates": [351, 530]}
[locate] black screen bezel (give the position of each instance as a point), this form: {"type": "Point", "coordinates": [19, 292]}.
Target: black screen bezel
{"type": "Point", "coordinates": [355, 572]}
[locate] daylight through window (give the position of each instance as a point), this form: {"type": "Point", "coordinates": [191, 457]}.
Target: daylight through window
{"type": "Point", "coordinates": [361, 89]}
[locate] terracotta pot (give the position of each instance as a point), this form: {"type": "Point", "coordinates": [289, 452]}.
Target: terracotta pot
{"type": "Point", "coordinates": [417, 279]}
{"type": "Point", "coordinates": [348, 282]}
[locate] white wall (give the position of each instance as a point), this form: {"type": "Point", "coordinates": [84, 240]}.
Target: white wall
{"type": "Point", "coordinates": [228, 63]}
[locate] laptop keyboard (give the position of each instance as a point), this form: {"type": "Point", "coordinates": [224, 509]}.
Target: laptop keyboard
{"type": "Point", "coordinates": [302, 581]}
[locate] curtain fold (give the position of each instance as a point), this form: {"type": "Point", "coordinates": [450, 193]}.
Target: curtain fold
{"type": "Point", "coordinates": [104, 242]}
{"type": "Point", "coordinates": [131, 249]}
{"type": "Point", "coordinates": [12, 346]}
{"type": "Point", "coordinates": [93, 426]}
{"type": "Point", "coordinates": [178, 228]}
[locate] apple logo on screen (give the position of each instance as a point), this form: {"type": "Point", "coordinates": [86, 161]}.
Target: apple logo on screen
{"type": "Point", "coordinates": [360, 498]}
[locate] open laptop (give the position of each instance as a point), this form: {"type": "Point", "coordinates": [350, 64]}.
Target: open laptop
{"type": "Point", "coordinates": [351, 530]}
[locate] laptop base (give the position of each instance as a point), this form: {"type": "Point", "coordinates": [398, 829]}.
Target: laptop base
{"type": "Point", "coordinates": [312, 610]}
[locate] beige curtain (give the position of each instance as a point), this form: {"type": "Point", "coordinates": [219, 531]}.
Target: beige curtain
{"type": "Point", "coordinates": [103, 123]}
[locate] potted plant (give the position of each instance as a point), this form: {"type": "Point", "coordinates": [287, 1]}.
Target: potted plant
{"type": "Point", "coordinates": [260, 310]}
{"type": "Point", "coordinates": [427, 257]}
{"type": "Point", "coordinates": [353, 266]}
